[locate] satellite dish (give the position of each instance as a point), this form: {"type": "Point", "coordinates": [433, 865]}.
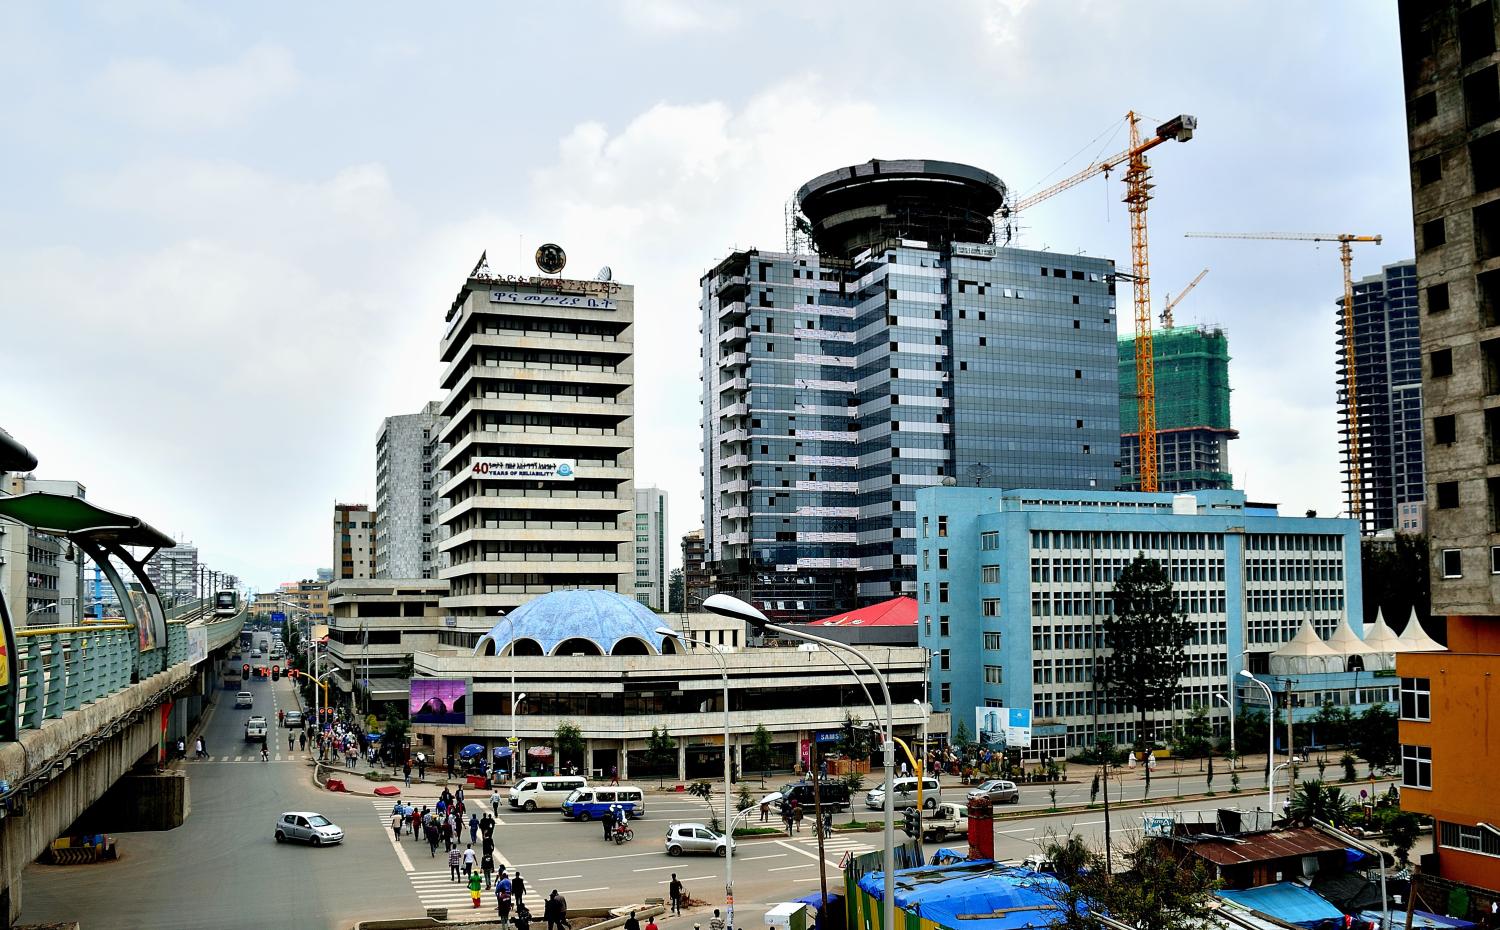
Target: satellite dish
{"type": "Point", "coordinates": [550, 258]}
{"type": "Point", "coordinates": [605, 274]}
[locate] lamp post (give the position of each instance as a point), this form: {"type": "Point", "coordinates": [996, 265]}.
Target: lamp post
{"type": "Point", "coordinates": [733, 607]}
{"type": "Point", "coordinates": [728, 811]}
{"type": "Point", "coordinates": [1233, 753]}
{"type": "Point", "coordinates": [1270, 743]}
{"type": "Point", "coordinates": [515, 751]}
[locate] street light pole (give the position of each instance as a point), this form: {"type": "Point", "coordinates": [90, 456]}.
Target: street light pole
{"type": "Point", "coordinates": [1233, 753]}
{"type": "Point", "coordinates": [728, 606]}
{"type": "Point", "coordinates": [1270, 743]}
{"type": "Point", "coordinates": [728, 810]}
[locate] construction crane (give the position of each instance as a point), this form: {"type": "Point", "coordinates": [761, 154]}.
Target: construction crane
{"type": "Point", "coordinates": [1137, 194]}
{"type": "Point", "coordinates": [1351, 395]}
{"type": "Point", "coordinates": [1166, 311]}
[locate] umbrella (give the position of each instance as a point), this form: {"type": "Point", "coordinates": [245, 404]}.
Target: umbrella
{"type": "Point", "coordinates": [470, 751]}
{"type": "Point", "coordinates": [373, 737]}
{"type": "Point", "coordinates": [539, 752]}
{"type": "Point", "coordinates": [502, 752]}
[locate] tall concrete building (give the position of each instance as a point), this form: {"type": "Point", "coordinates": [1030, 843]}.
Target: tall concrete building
{"type": "Point", "coordinates": [904, 350]}
{"type": "Point", "coordinates": [174, 572]}
{"type": "Point", "coordinates": [353, 541]}
{"type": "Point", "coordinates": [539, 423]}
{"type": "Point", "coordinates": [651, 547]}
{"type": "Point", "coordinates": [1388, 388]}
{"type": "Point", "coordinates": [406, 454]}
{"type": "Point", "coordinates": [41, 574]}
{"type": "Point", "coordinates": [697, 579]}
{"type": "Point", "coordinates": [1192, 410]}
{"type": "Point", "coordinates": [1452, 83]}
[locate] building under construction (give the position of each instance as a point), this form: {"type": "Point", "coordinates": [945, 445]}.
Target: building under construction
{"type": "Point", "coordinates": [1192, 410]}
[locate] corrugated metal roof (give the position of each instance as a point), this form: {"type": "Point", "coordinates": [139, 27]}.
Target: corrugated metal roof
{"type": "Point", "coordinates": [1261, 847]}
{"type": "Point", "coordinates": [898, 611]}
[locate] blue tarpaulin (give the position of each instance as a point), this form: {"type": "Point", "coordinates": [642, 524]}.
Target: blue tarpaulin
{"type": "Point", "coordinates": [1287, 902]}
{"type": "Point", "coordinates": [1423, 919]}
{"type": "Point", "coordinates": [976, 895]}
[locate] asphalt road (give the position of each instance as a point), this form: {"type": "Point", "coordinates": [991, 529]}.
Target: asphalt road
{"type": "Point", "coordinates": [222, 868]}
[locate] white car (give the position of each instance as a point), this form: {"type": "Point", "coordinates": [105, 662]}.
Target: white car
{"type": "Point", "coordinates": [695, 837]}
{"type": "Point", "coordinates": [308, 826]}
{"type": "Point", "coordinates": [244, 699]}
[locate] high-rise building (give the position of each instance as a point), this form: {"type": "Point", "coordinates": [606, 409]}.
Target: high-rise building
{"type": "Point", "coordinates": [906, 350]}
{"type": "Point", "coordinates": [697, 579]}
{"type": "Point", "coordinates": [651, 547]}
{"type": "Point", "coordinates": [174, 572]}
{"type": "Point", "coordinates": [1452, 84]}
{"type": "Point", "coordinates": [540, 428]}
{"type": "Point", "coordinates": [405, 488]}
{"type": "Point", "coordinates": [40, 573]}
{"type": "Point", "coordinates": [1388, 388]}
{"type": "Point", "coordinates": [1192, 410]}
{"type": "Point", "coordinates": [353, 541]}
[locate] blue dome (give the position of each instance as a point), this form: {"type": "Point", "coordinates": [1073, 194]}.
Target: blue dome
{"type": "Point", "coordinates": [592, 622]}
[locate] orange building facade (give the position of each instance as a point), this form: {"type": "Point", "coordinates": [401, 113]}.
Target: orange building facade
{"type": "Point", "coordinates": [1450, 748]}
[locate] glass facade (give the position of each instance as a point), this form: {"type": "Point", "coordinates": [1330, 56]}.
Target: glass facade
{"type": "Point", "coordinates": [834, 390]}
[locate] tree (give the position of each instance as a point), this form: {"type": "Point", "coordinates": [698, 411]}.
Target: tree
{"type": "Point", "coordinates": [705, 790]}
{"type": "Point", "coordinates": [1312, 800]}
{"type": "Point", "coordinates": [855, 782]}
{"type": "Point", "coordinates": [1394, 578]}
{"type": "Point", "coordinates": [393, 740]}
{"type": "Point", "coordinates": [661, 751]}
{"type": "Point", "coordinates": [1194, 741]}
{"type": "Point", "coordinates": [759, 751]}
{"type": "Point", "coordinates": [1210, 782]}
{"type": "Point", "coordinates": [676, 588]}
{"type": "Point", "coordinates": [962, 738]}
{"type": "Point", "coordinates": [1402, 834]}
{"type": "Point", "coordinates": [1148, 640]}
{"type": "Point", "coordinates": [567, 742]}
{"type": "Point", "coordinates": [1332, 724]}
{"type": "Point", "coordinates": [1156, 892]}
{"type": "Point", "coordinates": [1373, 735]}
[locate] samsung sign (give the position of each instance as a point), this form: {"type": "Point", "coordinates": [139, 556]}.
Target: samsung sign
{"type": "Point", "coordinates": [523, 469]}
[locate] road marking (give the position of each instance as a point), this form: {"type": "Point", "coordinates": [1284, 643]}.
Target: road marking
{"type": "Point", "coordinates": [1025, 830]}
{"type": "Point", "coordinates": [532, 865]}
{"type": "Point", "coordinates": [747, 858]}
{"type": "Point", "coordinates": [800, 865]}
{"type": "Point", "coordinates": [659, 868]}
{"type": "Point", "coordinates": [582, 890]}
{"type": "Point", "coordinates": [692, 878]}
{"type": "Point", "coordinates": [555, 878]}
{"type": "Point", "coordinates": [800, 851]}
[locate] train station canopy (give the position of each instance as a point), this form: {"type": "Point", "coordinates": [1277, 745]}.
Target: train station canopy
{"type": "Point", "coordinates": [79, 520]}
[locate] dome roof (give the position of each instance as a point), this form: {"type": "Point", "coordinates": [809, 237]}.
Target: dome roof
{"type": "Point", "coordinates": [565, 622]}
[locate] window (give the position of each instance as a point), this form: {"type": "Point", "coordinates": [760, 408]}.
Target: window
{"type": "Point", "coordinates": [943, 560]}
{"type": "Point", "coordinates": [1444, 431]}
{"type": "Point", "coordinates": [1423, 108]}
{"type": "Point", "coordinates": [1434, 234]}
{"type": "Point", "coordinates": [994, 674]}
{"type": "Point", "coordinates": [1495, 560]}
{"type": "Point", "coordinates": [989, 574]}
{"type": "Point", "coordinates": [1471, 839]}
{"type": "Point", "coordinates": [942, 624]}
{"type": "Point", "coordinates": [1416, 699]}
{"type": "Point", "coordinates": [1447, 495]}
{"type": "Point", "coordinates": [1452, 563]}
{"type": "Point", "coordinates": [1482, 96]}
{"type": "Point", "coordinates": [943, 660]}
{"type": "Point", "coordinates": [992, 641]}
{"type": "Point", "coordinates": [989, 540]}
{"type": "Point", "coordinates": [1442, 363]}
{"type": "Point", "coordinates": [942, 526]}
{"type": "Point", "coordinates": [1429, 170]}
{"type": "Point", "coordinates": [1416, 767]}
{"type": "Point", "coordinates": [991, 607]}
{"type": "Point", "coordinates": [1437, 298]}
{"type": "Point", "coordinates": [1476, 33]}
{"type": "Point", "coordinates": [924, 527]}
{"type": "Point", "coordinates": [942, 592]}
{"type": "Point", "coordinates": [945, 693]}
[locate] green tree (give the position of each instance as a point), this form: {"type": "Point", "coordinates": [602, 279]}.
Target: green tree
{"type": "Point", "coordinates": [1148, 640]}
{"type": "Point", "coordinates": [567, 742]}
{"type": "Point", "coordinates": [661, 752]}
{"type": "Point", "coordinates": [758, 754]}
{"type": "Point", "coordinates": [1402, 834]}
{"type": "Point", "coordinates": [1332, 724]}
{"type": "Point", "coordinates": [1313, 800]}
{"type": "Point", "coordinates": [676, 588]}
{"type": "Point", "coordinates": [705, 790]}
{"type": "Point", "coordinates": [1373, 735]}
{"type": "Point", "coordinates": [855, 782]}
{"type": "Point", "coordinates": [1195, 739]}
{"type": "Point", "coordinates": [1394, 578]}
{"type": "Point", "coordinates": [1155, 892]}
{"type": "Point", "coordinates": [962, 738]}
{"type": "Point", "coordinates": [393, 740]}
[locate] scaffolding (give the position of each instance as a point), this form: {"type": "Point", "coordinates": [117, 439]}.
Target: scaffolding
{"type": "Point", "coordinates": [1192, 379]}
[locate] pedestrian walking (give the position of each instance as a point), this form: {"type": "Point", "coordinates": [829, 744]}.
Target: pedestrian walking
{"type": "Point", "coordinates": [608, 819]}
{"type": "Point", "coordinates": [447, 829]}
{"type": "Point", "coordinates": [716, 922]}
{"type": "Point", "coordinates": [291, 741]}
{"type": "Point", "coordinates": [431, 831]}
{"type": "Point", "coordinates": [651, 924]}
{"type": "Point", "coordinates": [406, 770]}
{"type": "Point", "coordinates": [518, 891]}
{"type": "Point", "coordinates": [631, 923]}
{"type": "Point", "coordinates": [487, 866]}
{"type": "Point", "coordinates": [562, 913]}
{"type": "Point", "coordinates": [502, 899]}
{"type": "Point", "coordinates": [765, 811]}
{"type": "Point", "coordinates": [827, 824]}
{"type": "Point", "coordinates": [797, 818]}
{"type": "Point", "coordinates": [473, 829]}
{"type": "Point", "coordinates": [181, 748]}
{"type": "Point", "coordinates": [396, 824]}
{"type": "Point", "coordinates": [523, 916]}
{"type": "Point", "coordinates": [488, 845]}
{"type": "Point", "coordinates": [614, 777]}
{"type": "Point", "coordinates": [674, 891]}
{"type": "Point", "coordinates": [198, 748]}
{"type": "Point", "coordinates": [421, 767]}
{"type": "Point", "coordinates": [474, 892]}
{"type": "Point", "coordinates": [302, 742]}
{"type": "Point", "coordinates": [549, 911]}
{"type": "Point", "coordinates": [455, 860]}
{"type": "Point", "coordinates": [469, 859]}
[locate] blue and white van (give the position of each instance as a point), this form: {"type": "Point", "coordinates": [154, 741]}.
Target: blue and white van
{"type": "Point", "coordinates": [591, 803]}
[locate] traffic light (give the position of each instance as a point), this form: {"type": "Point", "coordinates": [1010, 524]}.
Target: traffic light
{"type": "Point", "coordinates": [275, 672]}
{"type": "Point", "coordinates": [911, 821]}
{"type": "Point", "coordinates": [245, 672]}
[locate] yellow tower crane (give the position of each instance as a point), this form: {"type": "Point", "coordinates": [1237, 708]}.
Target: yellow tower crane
{"type": "Point", "coordinates": [1351, 394]}
{"type": "Point", "coordinates": [1166, 310]}
{"type": "Point", "coordinates": [1137, 193]}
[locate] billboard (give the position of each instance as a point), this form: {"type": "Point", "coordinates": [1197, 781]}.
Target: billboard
{"type": "Point", "coordinates": [439, 700]}
{"type": "Point", "coordinates": [197, 644]}
{"type": "Point", "coordinates": [144, 627]}
{"type": "Point", "coordinates": [523, 469]}
{"type": "Point", "coordinates": [1010, 726]}
{"type": "Point", "coordinates": [278, 617]}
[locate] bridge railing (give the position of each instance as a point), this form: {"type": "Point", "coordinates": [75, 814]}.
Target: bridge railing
{"type": "Point", "coordinates": [62, 668]}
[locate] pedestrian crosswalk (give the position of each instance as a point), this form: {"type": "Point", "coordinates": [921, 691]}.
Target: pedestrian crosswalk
{"type": "Point", "coordinates": [430, 877]}
{"type": "Point", "coordinates": [836, 845]}
{"type": "Point", "coordinates": [249, 757]}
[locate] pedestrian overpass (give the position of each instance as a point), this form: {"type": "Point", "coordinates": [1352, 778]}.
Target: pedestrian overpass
{"type": "Point", "coordinates": [82, 707]}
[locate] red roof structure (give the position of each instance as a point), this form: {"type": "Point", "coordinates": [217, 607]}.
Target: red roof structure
{"type": "Point", "coordinates": [899, 611]}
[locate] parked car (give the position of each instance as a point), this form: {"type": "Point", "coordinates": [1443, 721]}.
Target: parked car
{"type": "Point", "coordinates": [998, 790]}
{"type": "Point", "coordinates": [833, 795]}
{"type": "Point", "coordinates": [906, 793]}
{"type": "Point", "coordinates": [946, 819]}
{"type": "Point", "coordinates": [695, 838]}
{"type": "Point", "coordinates": [244, 699]}
{"type": "Point", "coordinates": [308, 827]}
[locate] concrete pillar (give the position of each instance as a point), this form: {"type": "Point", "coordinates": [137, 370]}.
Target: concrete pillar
{"type": "Point", "coordinates": [624, 759]}
{"type": "Point", "coordinates": [681, 761]}
{"type": "Point", "coordinates": [588, 758]}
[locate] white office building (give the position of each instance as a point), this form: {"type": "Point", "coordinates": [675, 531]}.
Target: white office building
{"type": "Point", "coordinates": [651, 547]}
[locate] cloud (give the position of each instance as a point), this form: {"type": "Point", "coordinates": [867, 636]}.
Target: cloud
{"type": "Point", "coordinates": [159, 95]}
{"type": "Point", "coordinates": [675, 16]}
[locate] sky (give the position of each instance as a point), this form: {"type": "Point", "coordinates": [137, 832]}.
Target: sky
{"type": "Point", "coordinates": [230, 231]}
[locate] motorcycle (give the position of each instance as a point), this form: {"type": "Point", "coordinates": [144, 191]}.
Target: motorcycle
{"type": "Point", "coordinates": [623, 834]}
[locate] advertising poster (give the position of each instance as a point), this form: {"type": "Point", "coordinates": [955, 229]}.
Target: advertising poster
{"type": "Point", "coordinates": [197, 644]}
{"type": "Point", "coordinates": [439, 700]}
{"type": "Point", "coordinates": [1007, 726]}
{"type": "Point", "coordinates": [523, 469]}
{"type": "Point", "coordinates": [143, 625]}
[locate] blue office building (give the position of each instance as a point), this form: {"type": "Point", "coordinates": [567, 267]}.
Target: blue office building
{"type": "Point", "coordinates": [1014, 588]}
{"type": "Point", "coordinates": [903, 348]}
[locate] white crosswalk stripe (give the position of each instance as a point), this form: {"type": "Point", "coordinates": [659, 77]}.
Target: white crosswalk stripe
{"type": "Point", "coordinates": [430, 879]}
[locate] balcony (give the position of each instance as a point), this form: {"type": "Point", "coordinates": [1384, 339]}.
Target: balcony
{"type": "Point", "coordinates": [733, 360]}
{"type": "Point", "coordinates": [736, 434]}
{"type": "Point", "coordinates": [739, 409]}
{"type": "Point", "coordinates": [733, 334]}
{"type": "Point", "coordinates": [735, 461]}
{"type": "Point", "coordinates": [734, 486]}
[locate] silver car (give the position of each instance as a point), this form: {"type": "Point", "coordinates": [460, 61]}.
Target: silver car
{"type": "Point", "coordinates": [998, 790]}
{"type": "Point", "coordinates": [695, 838]}
{"type": "Point", "coordinates": [308, 827]}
